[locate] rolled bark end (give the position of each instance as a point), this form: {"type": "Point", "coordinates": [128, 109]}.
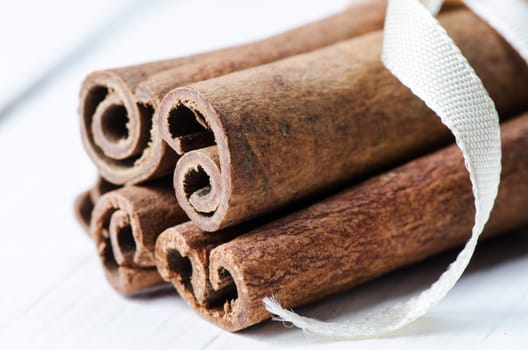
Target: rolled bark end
{"type": "Point", "coordinates": [125, 224]}
{"type": "Point", "coordinates": [182, 258]}
{"type": "Point", "coordinates": [117, 130]}
{"type": "Point", "coordinates": [122, 238]}
{"type": "Point", "coordinates": [112, 126]}
{"type": "Point", "coordinates": [134, 216]}
{"type": "Point", "coordinates": [114, 216]}
{"type": "Point", "coordinates": [215, 289]}
{"type": "Point", "coordinates": [190, 125]}
{"type": "Point", "coordinates": [175, 266]}
{"type": "Point", "coordinates": [125, 280]}
{"type": "Point", "coordinates": [233, 313]}
{"type": "Point", "coordinates": [172, 263]}
{"type": "Point", "coordinates": [198, 181]}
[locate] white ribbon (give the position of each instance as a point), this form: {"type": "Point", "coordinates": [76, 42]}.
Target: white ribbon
{"type": "Point", "coordinates": [418, 51]}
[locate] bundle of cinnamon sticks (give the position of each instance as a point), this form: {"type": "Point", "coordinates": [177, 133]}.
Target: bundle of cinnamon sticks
{"type": "Point", "coordinates": [295, 167]}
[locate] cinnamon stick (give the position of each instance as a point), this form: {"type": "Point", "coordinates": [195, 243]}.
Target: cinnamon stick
{"type": "Point", "coordinates": [394, 219]}
{"type": "Point", "coordinates": [124, 225]}
{"type": "Point", "coordinates": [312, 122]}
{"type": "Point", "coordinates": [117, 105]}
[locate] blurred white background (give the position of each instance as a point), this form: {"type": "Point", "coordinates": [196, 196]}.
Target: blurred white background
{"type": "Point", "coordinates": [52, 291]}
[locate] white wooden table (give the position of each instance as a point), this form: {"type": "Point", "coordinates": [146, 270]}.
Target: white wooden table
{"type": "Point", "coordinates": [53, 294]}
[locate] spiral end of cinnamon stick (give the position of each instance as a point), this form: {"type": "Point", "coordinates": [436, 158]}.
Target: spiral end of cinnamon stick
{"type": "Point", "coordinates": [117, 130]}
{"type": "Point", "coordinates": [235, 312]}
{"type": "Point", "coordinates": [192, 128]}
{"type": "Point", "coordinates": [113, 216]}
{"type": "Point", "coordinates": [182, 258]}
{"type": "Point", "coordinates": [126, 280]}
{"type": "Point", "coordinates": [125, 224]}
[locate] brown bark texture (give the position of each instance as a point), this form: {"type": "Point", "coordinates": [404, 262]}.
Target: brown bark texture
{"type": "Point", "coordinates": [124, 225]}
{"type": "Point", "coordinates": [117, 106]}
{"type": "Point", "coordinates": [394, 219]}
{"type": "Point", "coordinates": [313, 122]}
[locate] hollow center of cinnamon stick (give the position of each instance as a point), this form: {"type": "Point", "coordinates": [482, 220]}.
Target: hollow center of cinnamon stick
{"type": "Point", "coordinates": [181, 266]}
{"type": "Point", "coordinates": [126, 240]}
{"type": "Point", "coordinates": [115, 123]}
{"type": "Point", "coordinates": [225, 299]}
{"type": "Point", "coordinates": [189, 129]}
{"type": "Point", "coordinates": [197, 182]}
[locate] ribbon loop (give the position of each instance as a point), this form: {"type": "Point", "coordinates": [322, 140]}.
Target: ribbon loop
{"type": "Point", "coordinates": [419, 52]}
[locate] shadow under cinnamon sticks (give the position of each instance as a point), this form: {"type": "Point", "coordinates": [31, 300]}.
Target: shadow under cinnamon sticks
{"type": "Point", "coordinates": [392, 220]}
{"type": "Point", "coordinates": [124, 225]}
